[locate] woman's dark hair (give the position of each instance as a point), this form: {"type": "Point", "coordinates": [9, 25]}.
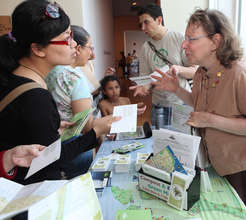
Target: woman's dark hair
{"type": "Point", "coordinates": [80, 35]}
{"type": "Point", "coordinates": [153, 10]}
{"type": "Point", "coordinates": [105, 81]}
{"type": "Point", "coordinates": [30, 24]}
{"type": "Point", "coordinates": [214, 22]}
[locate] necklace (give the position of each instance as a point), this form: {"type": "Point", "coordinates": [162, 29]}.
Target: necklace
{"type": "Point", "coordinates": [219, 76]}
{"type": "Point", "coordinates": [38, 73]}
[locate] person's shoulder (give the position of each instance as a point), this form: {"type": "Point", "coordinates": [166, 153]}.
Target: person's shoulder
{"type": "Point", "coordinates": [103, 102]}
{"type": "Point", "coordinates": [175, 35]}
{"type": "Point", "coordinates": [238, 69]}
{"type": "Point", "coordinates": [125, 100]}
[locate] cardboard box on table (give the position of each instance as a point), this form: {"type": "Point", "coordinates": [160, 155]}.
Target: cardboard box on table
{"type": "Point", "coordinates": [161, 188]}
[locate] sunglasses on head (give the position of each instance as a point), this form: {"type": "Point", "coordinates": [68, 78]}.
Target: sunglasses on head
{"type": "Point", "coordinates": [52, 10]}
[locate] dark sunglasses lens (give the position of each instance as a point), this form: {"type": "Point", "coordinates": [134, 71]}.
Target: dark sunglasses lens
{"type": "Point", "coordinates": [53, 11]}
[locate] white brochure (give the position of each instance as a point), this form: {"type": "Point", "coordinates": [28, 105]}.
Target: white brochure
{"type": "Point", "coordinates": [184, 146]}
{"type": "Point", "coordinates": [145, 80]}
{"type": "Point", "coordinates": [60, 199]}
{"type": "Point", "coordinates": [128, 122]}
{"type": "Point", "coordinates": [47, 156]}
{"type": "Point", "coordinates": [180, 115]}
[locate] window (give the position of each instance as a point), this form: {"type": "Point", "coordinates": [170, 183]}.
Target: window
{"type": "Point", "coordinates": [234, 10]}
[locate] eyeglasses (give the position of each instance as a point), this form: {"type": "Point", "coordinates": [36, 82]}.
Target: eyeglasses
{"type": "Point", "coordinates": [68, 41]}
{"type": "Point", "coordinates": [52, 10]}
{"type": "Point", "coordinates": [191, 39]}
{"type": "Point", "coordinates": [90, 47]}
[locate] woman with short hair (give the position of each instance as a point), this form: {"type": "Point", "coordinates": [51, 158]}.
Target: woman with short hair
{"type": "Point", "coordinates": [218, 94]}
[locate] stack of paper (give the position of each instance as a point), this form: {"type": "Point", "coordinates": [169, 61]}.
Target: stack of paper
{"type": "Point", "coordinates": [122, 163]}
{"type": "Point", "coordinates": [141, 158]}
{"type": "Point", "coordinates": [102, 164]}
{"type": "Point", "coordinates": [80, 120]}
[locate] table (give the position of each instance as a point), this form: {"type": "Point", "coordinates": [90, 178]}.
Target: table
{"type": "Point", "coordinates": [222, 203]}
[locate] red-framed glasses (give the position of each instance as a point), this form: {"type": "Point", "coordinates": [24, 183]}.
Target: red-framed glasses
{"type": "Point", "coordinates": [68, 41]}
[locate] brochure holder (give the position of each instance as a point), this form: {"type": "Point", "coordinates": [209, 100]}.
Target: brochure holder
{"type": "Point", "coordinates": [161, 188]}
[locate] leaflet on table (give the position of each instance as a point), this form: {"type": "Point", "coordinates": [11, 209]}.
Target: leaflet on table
{"type": "Point", "coordinates": [145, 80]}
{"type": "Point", "coordinates": [180, 115]}
{"type": "Point", "coordinates": [128, 122]}
{"type": "Point", "coordinates": [47, 156]}
{"type": "Point", "coordinates": [80, 120]}
{"type": "Point", "coordinates": [128, 148]}
{"type": "Point", "coordinates": [16, 198]}
{"type": "Point", "coordinates": [75, 199]}
{"type": "Point", "coordinates": [184, 146]}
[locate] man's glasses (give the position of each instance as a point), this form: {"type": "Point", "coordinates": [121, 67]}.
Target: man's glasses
{"type": "Point", "coordinates": [52, 10]}
{"type": "Point", "coordinates": [68, 41]}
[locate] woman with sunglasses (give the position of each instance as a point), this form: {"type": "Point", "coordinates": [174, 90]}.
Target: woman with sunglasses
{"type": "Point", "coordinates": [39, 40]}
{"type": "Point", "coordinates": [69, 88]}
{"type": "Point", "coordinates": [218, 94]}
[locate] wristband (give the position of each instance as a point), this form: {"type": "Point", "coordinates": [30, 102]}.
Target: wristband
{"type": "Point", "coordinates": [8, 175]}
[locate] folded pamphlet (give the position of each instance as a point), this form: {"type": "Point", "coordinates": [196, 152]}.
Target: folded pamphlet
{"type": "Point", "coordinates": [80, 120]}
{"type": "Point", "coordinates": [166, 160]}
{"type": "Point", "coordinates": [52, 200]}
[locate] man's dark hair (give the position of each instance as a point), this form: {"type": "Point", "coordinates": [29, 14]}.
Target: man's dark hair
{"type": "Point", "coordinates": [153, 10]}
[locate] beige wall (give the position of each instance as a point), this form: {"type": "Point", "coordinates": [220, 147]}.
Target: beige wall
{"type": "Point", "coordinates": [98, 21]}
{"type": "Point", "coordinates": [7, 6]}
{"type": "Point", "coordinates": [177, 12]}
{"type": "Point", "coordinates": [74, 10]}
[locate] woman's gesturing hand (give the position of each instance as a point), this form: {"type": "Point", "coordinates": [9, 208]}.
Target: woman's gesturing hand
{"type": "Point", "coordinates": [168, 80]}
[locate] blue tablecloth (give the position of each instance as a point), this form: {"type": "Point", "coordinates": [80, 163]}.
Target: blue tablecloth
{"type": "Point", "coordinates": [222, 203]}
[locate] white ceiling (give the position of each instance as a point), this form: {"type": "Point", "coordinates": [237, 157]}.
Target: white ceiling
{"type": "Point", "coordinates": [124, 7]}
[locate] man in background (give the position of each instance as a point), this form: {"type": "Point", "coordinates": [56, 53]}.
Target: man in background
{"type": "Point", "coordinates": [163, 48]}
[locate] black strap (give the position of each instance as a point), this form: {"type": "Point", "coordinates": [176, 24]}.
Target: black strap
{"type": "Point", "coordinates": [160, 55]}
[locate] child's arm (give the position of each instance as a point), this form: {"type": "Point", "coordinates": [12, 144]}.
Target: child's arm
{"type": "Point", "coordinates": [103, 108]}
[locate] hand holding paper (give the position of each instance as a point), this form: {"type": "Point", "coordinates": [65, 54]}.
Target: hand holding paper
{"type": "Point", "coordinates": [49, 155]}
{"type": "Point", "coordinates": [128, 122]}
